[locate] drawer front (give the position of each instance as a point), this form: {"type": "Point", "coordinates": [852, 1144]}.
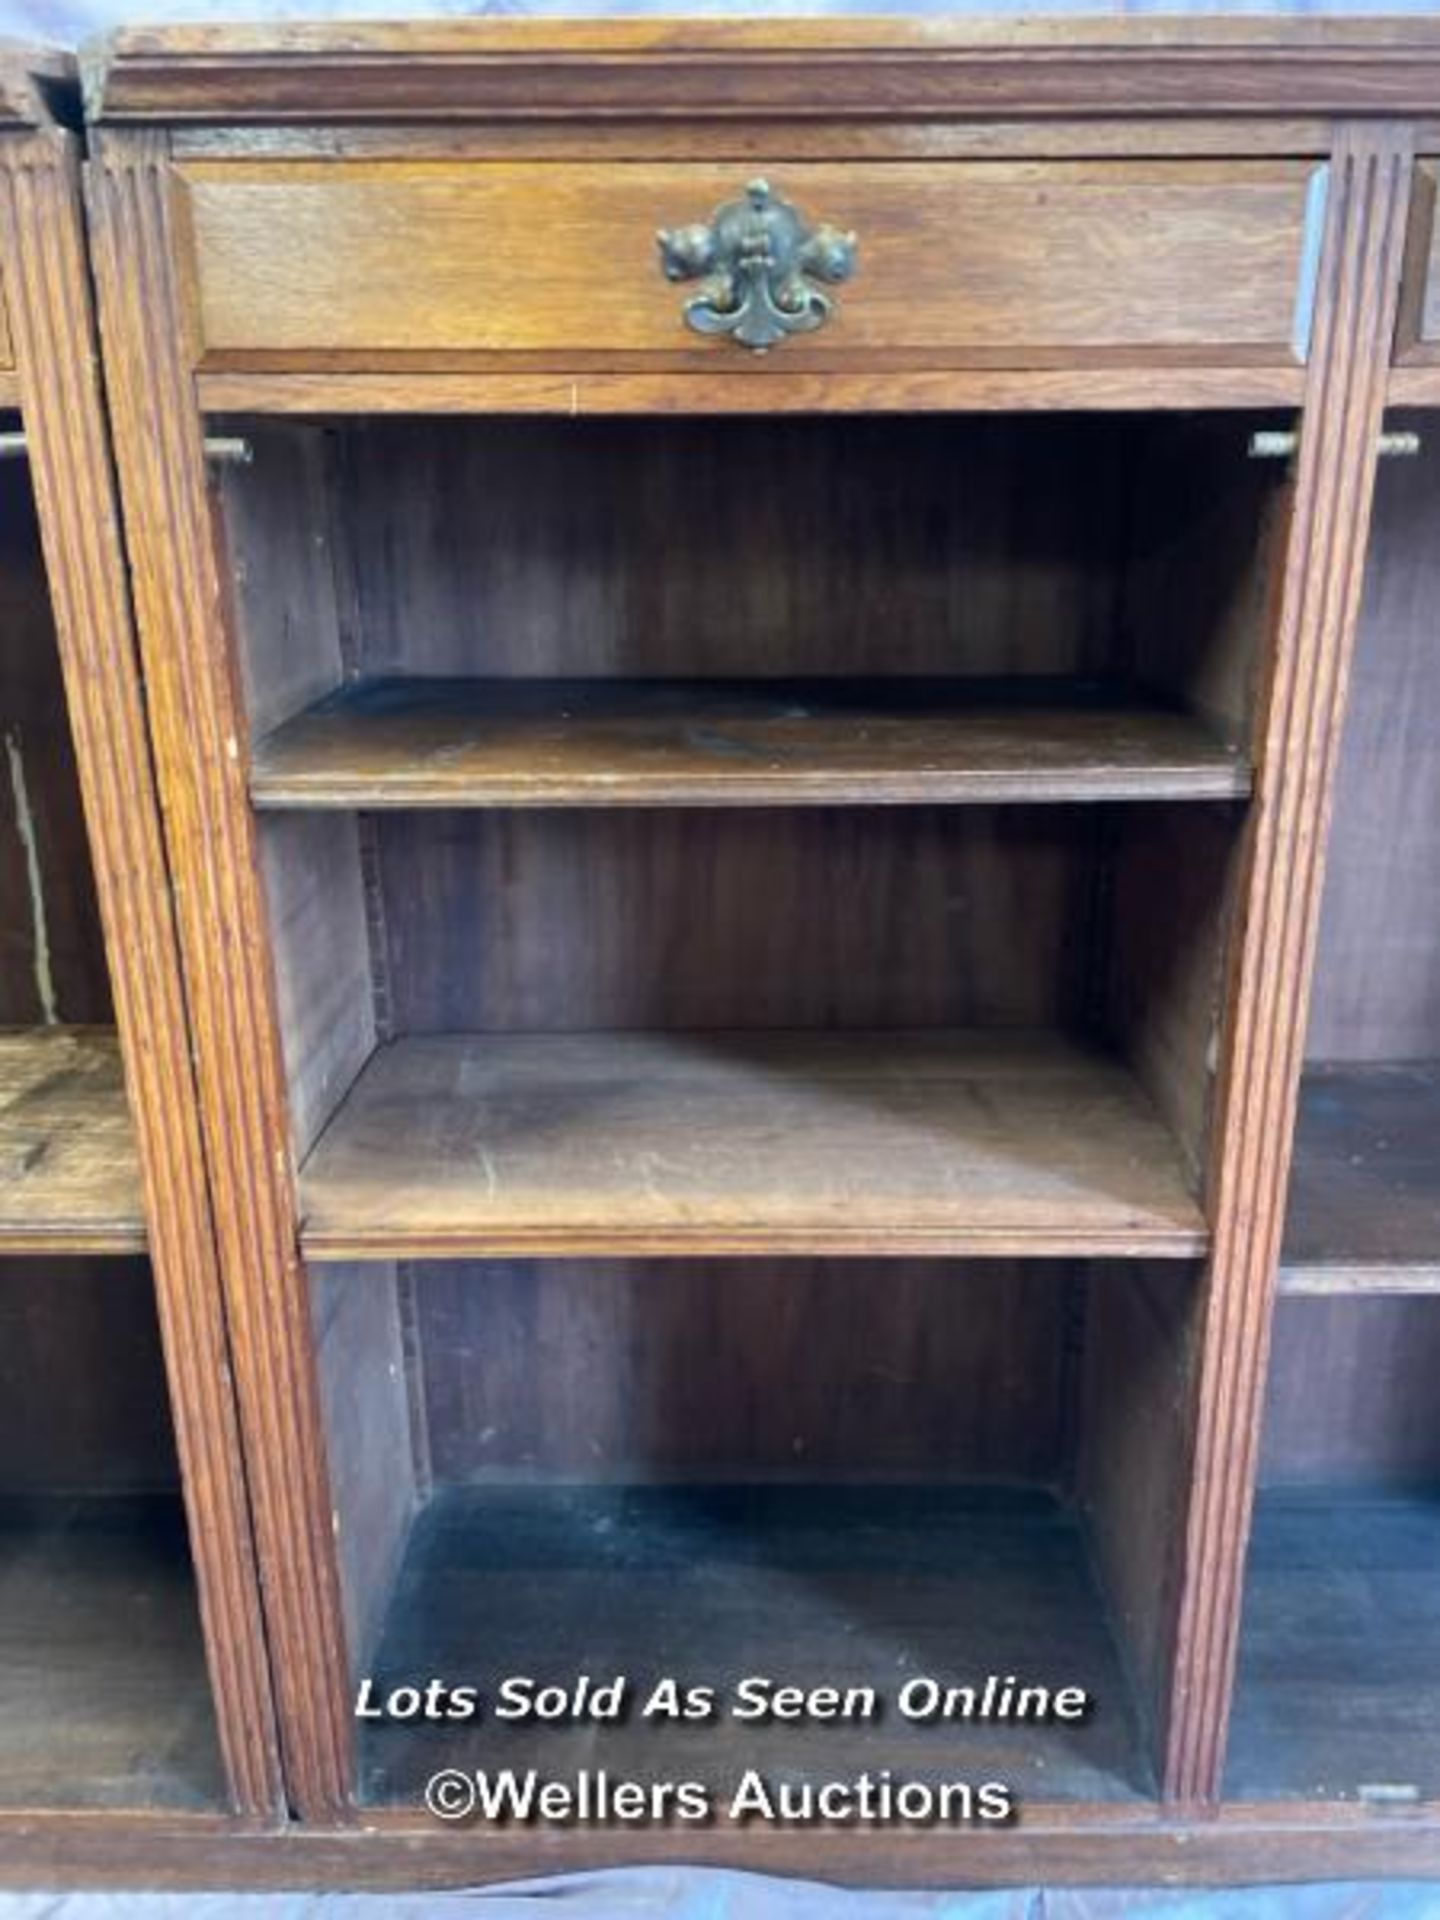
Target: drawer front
{"type": "Point", "coordinates": [958, 263]}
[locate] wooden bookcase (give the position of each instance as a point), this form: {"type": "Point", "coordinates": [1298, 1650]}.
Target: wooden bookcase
{"type": "Point", "coordinates": [134, 1687]}
{"type": "Point", "coordinates": [748, 919]}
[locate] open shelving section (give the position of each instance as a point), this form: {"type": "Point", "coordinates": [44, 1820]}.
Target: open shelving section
{"type": "Point", "coordinates": [104, 1695]}
{"type": "Point", "coordinates": [717, 1024]}
{"type": "Point", "coordinates": [134, 1691]}
{"type": "Point", "coordinates": [1338, 1694]}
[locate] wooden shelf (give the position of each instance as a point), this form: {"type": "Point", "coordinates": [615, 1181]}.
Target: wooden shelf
{"type": "Point", "coordinates": [104, 1699]}
{"type": "Point", "coordinates": [1365, 1193]}
{"type": "Point", "coordinates": [526, 743]}
{"type": "Point", "coordinates": [869, 1587]}
{"type": "Point", "coordinates": [69, 1176]}
{"type": "Point", "coordinates": [1338, 1687]}
{"type": "Point", "coordinates": [928, 1142]}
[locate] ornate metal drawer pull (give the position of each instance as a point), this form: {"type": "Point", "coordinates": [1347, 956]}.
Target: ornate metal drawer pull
{"type": "Point", "coordinates": [758, 258]}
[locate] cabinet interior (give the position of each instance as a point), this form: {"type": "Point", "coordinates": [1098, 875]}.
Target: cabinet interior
{"type": "Point", "coordinates": [104, 1700]}
{"type": "Point", "coordinates": [1339, 1686]}
{"type": "Point", "coordinates": [702, 856]}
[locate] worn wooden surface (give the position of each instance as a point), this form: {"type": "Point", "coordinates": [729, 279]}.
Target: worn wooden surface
{"type": "Point", "coordinates": [69, 1174]}
{"type": "Point", "coordinates": [104, 1696]}
{"type": "Point", "coordinates": [1338, 1687]}
{"type": "Point", "coordinates": [1130, 1466]}
{"type": "Point", "coordinates": [52, 956]}
{"type": "Point", "coordinates": [1377, 987]}
{"type": "Point", "coordinates": [1262, 1040]}
{"type": "Point", "coordinates": [1351, 1393]}
{"type": "Point", "coordinates": [49, 294]}
{"type": "Point", "coordinates": [233, 1047]}
{"type": "Point", "coordinates": [875, 1585]}
{"type": "Point", "coordinates": [1172, 879]}
{"type": "Point", "coordinates": [84, 1405]}
{"type": "Point", "coordinates": [795, 917]}
{"type": "Point", "coordinates": [34, 82]}
{"type": "Point", "coordinates": [365, 1392]}
{"type": "Point", "coordinates": [440, 743]}
{"type": "Point", "coordinates": [730, 69]}
{"type": "Point", "coordinates": [1020, 391]}
{"type": "Point", "coordinates": [838, 548]}
{"type": "Point", "coordinates": [320, 948]}
{"type": "Point", "coordinates": [309, 264]}
{"type": "Point", "coordinates": [1076, 1843]}
{"type": "Point", "coordinates": [1365, 1196]}
{"type": "Point", "coordinates": [685, 1370]}
{"type": "Point", "coordinates": [754, 1142]}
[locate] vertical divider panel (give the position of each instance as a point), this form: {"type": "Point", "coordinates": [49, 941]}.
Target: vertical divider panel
{"type": "Point", "coordinates": [52, 322]}
{"type": "Point", "coordinates": [1263, 1037]}
{"type": "Point", "coordinates": [199, 732]}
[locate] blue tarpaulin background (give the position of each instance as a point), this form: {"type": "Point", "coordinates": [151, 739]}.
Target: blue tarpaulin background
{"type": "Point", "coordinates": [697, 1894]}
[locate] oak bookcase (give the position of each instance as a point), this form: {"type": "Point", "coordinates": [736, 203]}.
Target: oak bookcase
{"type": "Point", "coordinates": [748, 917]}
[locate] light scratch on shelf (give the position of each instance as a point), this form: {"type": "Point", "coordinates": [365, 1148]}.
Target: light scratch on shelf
{"type": "Point", "coordinates": [25, 826]}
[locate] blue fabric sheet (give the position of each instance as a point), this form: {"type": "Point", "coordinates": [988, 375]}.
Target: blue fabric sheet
{"type": "Point", "coordinates": [701, 1894]}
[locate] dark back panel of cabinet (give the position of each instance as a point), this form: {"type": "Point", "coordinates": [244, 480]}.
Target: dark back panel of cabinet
{"type": "Point", "coordinates": [84, 1406]}
{"type": "Point", "coordinates": [52, 962]}
{"type": "Point", "coordinates": [1377, 984]}
{"type": "Point", "coordinates": [766, 1369]}
{"type": "Point", "coordinates": [851, 918]}
{"type": "Point", "coordinates": [734, 548]}
{"type": "Point", "coordinates": [1352, 1392]}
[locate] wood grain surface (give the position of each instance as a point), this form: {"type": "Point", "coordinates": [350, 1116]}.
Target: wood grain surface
{"type": "Point", "coordinates": [300, 264]}
{"type": "Point", "coordinates": [52, 950]}
{"type": "Point", "coordinates": [1364, 1212]}
{"type": "Point", "coordinates": [84, 1400]}
{"type": "Point", "coordinates": [691, 1581]}
{"type": "Point", "coordinates": [50, 295]}
{"type": "Point", "coordinates": [69, 1171]}
{"type": "Point", "coordinates": [1262, 1044]}
{"type": "Point", "coordinates": [232, 1047]}
{"type": "Point", "coordinates": [753, 1142]}
{"type": "Point", "coordinates": [1377, 987]}
{"type": "Point", "coordinates": [1338, 1689]}
{"type": "Point", "coordinates": [104, 1696]}
{"type": "Point", "coordinates": [755, 1370]}
{"type": "Point", "coordinates": [836, 69]}
{"type": "Point", "coordinates": [1350, 1400]}
{"type": "Point", "coordinates": [438, 743]}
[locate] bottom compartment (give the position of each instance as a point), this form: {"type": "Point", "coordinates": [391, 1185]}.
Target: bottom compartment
{"type": "Point", "coordinates": [964, 1479]}
{"type": "Point", "coordinates": [1338, 1689]}
{"type": "Point", "coordinates": [104, 1695]}
{"type": "Point", "coordinates": [872, 1602]}
{"type": "Point", "coordinates": [1338, 1692]}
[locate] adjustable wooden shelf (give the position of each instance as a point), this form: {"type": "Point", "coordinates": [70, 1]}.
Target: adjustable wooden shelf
{"type": "Point", "coordinates": [111, 1715]}
{"type": "Point", "coordinates": [748, 819]}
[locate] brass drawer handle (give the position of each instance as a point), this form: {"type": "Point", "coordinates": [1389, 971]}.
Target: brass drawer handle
{"type": "Point", "coordinates": [758, 258]}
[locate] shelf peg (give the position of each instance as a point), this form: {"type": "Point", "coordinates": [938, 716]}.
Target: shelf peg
{"type": "Point", "coordinates": [229, 450]}
{"type": "Point", "coordinates": [1271, 445]}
